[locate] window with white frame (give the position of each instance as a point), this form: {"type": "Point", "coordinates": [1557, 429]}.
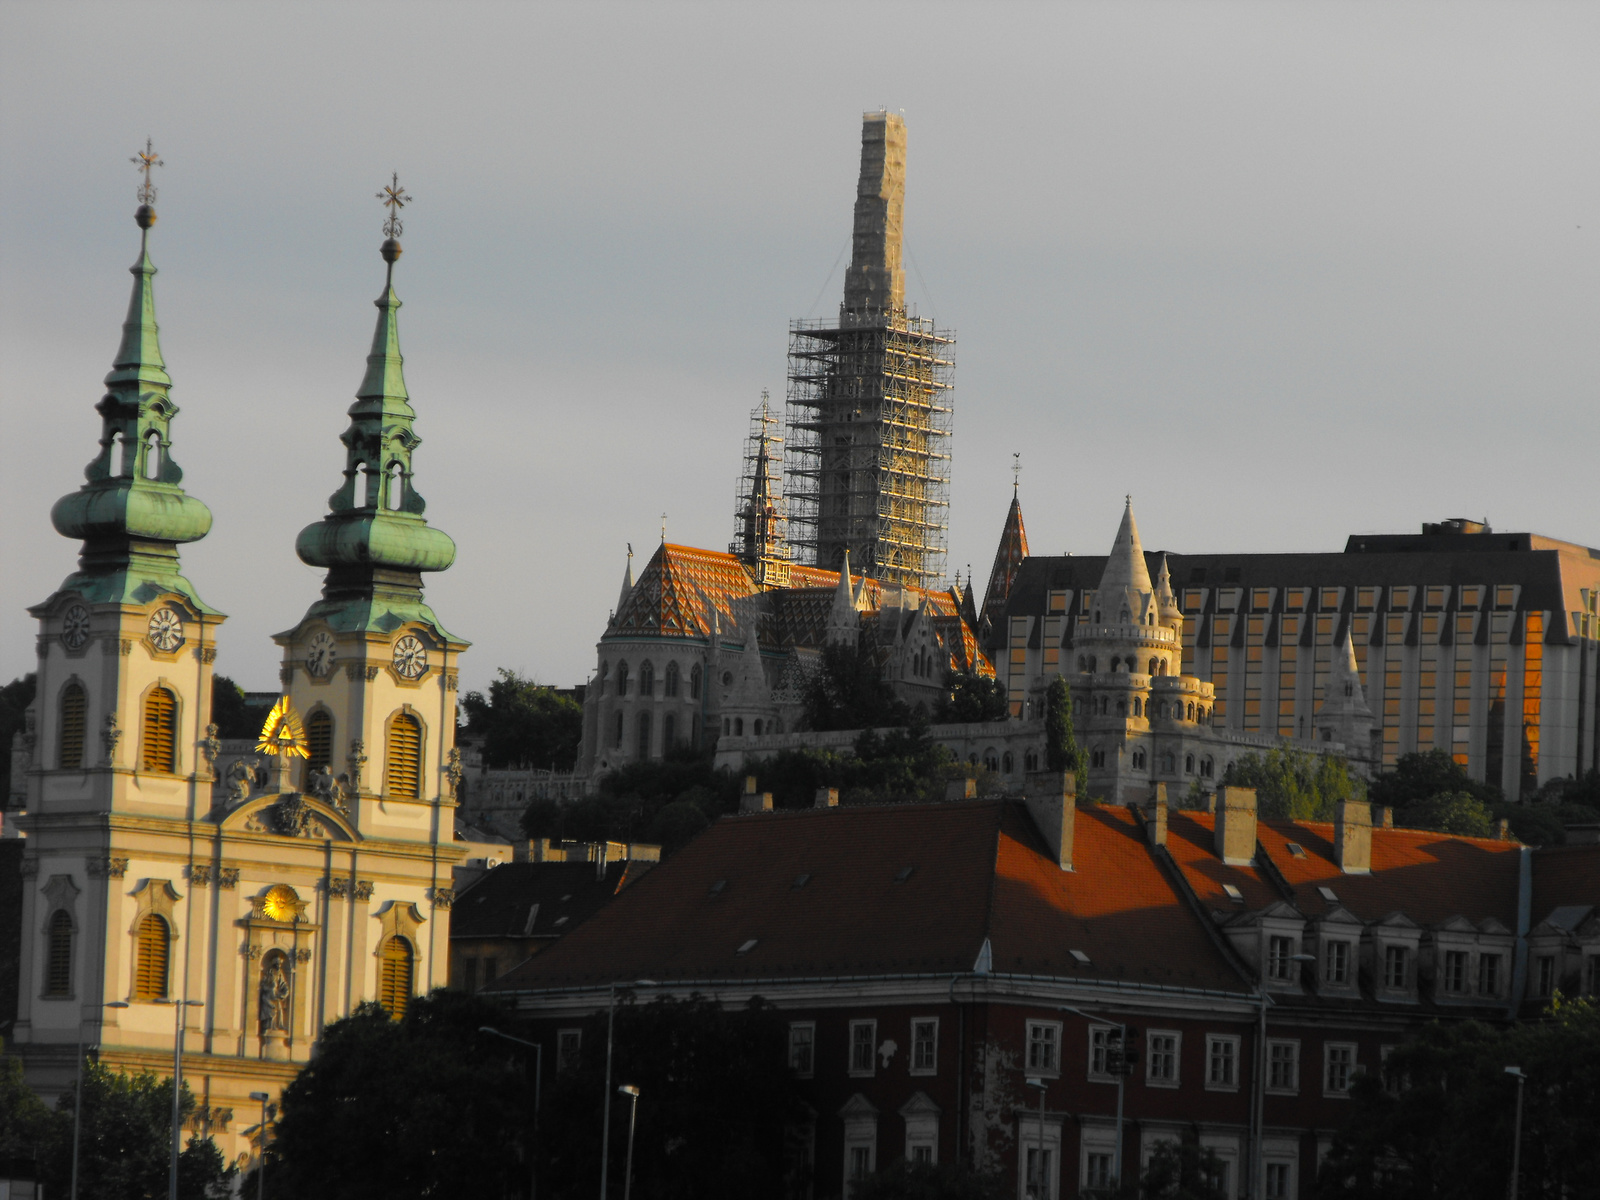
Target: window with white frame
{"type": "Point", "coordinates": [1336, 963]}
{"type": "Point", "coordinates": [860, 1141]}
{"type": "Point", "coordinates": [803, 1048]}
{"type": "Point", "coordinates": [1591, 975]}
{"type": "Point", "coordinates": [1280, 955]}
{"type": "Point", "coordinates": [1546, 976]}
{"type": "Point", "coordinates": [1097, 1170]}
{"type": "Point", "coordinates": [1161, 1068]}
{"type": "Point", "coordinates": [922, 1155]}
{"type": "Point", "coordinates": [863, 1040]}
{"type": "Point", "coordinates": [1044, 1047]}
{"type": "Point", "coordinates": [1101, 1040]}
{"type": "Point", "coordinates": [1338, 1068]}
{"type": "Point", "coordinates": [1283, 1066]}
{"type": "Point", "coordinates": [1455, 971]}
{"type": "Point", "coordinates": [1222, 1062]}
{"type": "Point", "coordinates": [1490, 974]}
{"type": "Point", "coordinates": [925, 1046]}
{"type": "Point", "coordinates": [1277, 1180]}
{"type": "Point", "coordinates": [860, 1163]}
{"type": "Point", "coordinates": [1038, 1158]}
{"type": "Point", "coordinates": [569, 1044]}
{"type": "Point", "coordinates": [1038, 1175]}
{"type": "Point", "coordinates": [1396, 967]}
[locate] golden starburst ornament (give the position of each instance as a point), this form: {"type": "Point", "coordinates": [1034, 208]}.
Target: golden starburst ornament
{"type": "Point", "coordinates": [283, 733]}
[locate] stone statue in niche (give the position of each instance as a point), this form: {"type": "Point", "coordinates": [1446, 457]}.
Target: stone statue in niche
{"type": "Point", "coordinates": [274, 1014]}
{"type": "Point", "coordinates": [240, 778]}
{"type": "Point", "coordinates": [321, 784]}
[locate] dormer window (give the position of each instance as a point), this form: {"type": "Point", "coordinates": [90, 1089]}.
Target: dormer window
{"type": "Point", "coordinates": [1336, 963]}
{"type": "Point", "coordinates": [1489, 975]}
{"type": "Point", "coordinates": [1280, 953]}
{"type": "Point", "coordinates": [1396, 967]}
{"type": "Point", "coordinates": [1455, 971]}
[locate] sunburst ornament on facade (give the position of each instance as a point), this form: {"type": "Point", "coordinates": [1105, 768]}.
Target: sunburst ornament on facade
{"type": "Point", "coordinates": [283, 733]}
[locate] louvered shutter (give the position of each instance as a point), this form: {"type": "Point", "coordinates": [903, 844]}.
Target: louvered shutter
{"type": "Point", "coordinates": [161, 731]}
{"type": "Point", "coordinates": [74, 723]}
{"type": "Point", "coordinates": [319, 740]}
{"type": "Point", "coordinates": [403, 774]}
{"type": "Point", "coordinates": [58, 972]}
{"type": "Point", "coordinates": [150, 966]}
{"type": "Point", "coordinates": [394, 983]}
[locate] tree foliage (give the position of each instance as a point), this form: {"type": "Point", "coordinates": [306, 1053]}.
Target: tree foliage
{"type": "Point", "coordinates": [1419, 776]}
{"type": "Point", "coordinates": [1061, 752]}
{"type": "Point", "coordinates": [1437, 1123]}
{"type": "Point", "coordinates": [523, 723]}
{"type": "Point", "coordinates": [424, 1106]}
{"type": "Point", "coordinates": [1460, 813]}
{"type": "Point", "coordinates": [652, 801]}
{"type": "Point", "coordinates": [233, 717]}
{"type": "Point", "coordinates": [14, 700]}
{"type": "Point", "coordinates": [1293, 784]}
{"type": "Point", "coordinates": [716, 1096]}
{"type": "Point", "coordinates": [973, 697]}
{"type": "Point", "coordinates": [905, 1180]}
{"type": "Point", "coordinates": [848, 691]}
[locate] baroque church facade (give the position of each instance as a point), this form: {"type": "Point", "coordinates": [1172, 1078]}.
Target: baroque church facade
{"type": "Point", "coordinates": [172, 892]}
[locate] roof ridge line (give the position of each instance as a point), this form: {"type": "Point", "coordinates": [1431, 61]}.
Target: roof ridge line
{"type": "Point", "coordinates": [1232, 957]}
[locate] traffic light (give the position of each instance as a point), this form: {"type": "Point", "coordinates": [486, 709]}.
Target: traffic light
{"type": "Point", "coordinates": [1131, 1054]}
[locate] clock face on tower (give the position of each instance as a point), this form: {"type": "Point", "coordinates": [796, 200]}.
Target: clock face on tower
{"type": "Point", "coordinates": [75, 626]}
{"type": "Point", "coordinates": [320, 654]}
{"type": "Point", "coordinates": [410, 657]}
{"type": "Point", "coordinates": [166, 630]}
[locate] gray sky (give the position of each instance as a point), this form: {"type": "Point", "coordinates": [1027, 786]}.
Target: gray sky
{"type": "Point", "coordinates": [1282, 271]}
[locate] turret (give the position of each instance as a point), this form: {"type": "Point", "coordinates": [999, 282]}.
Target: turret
{"type": "Point", "coordinates": [1125, 596]}
{"type": "Point", "coordinates": [1008, 556]}
{"type": "Point", "coordinates": [1343, 715]}
{"type": "Point", "coordinates": [1168, 612]}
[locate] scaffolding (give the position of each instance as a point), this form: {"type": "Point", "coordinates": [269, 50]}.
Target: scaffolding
{"type": "Point", "coordinates": [869, 423]}
{"type": "Point", "coordinates": [759, 540]}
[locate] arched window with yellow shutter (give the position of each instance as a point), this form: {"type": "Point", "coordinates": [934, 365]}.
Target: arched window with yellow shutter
{"type": "Point", "coordinates": [394, 976]}
{"type": "Point", "coordinates": [150, 958]}
{"type": "Point", "coordinates": [319, 740]}
{"type": "Point", "coordinates": [402, 775]}
{"type": "Point", "coordinates": [74, 727]}
{"type": "Point", "coordinates": [159, 744]}
{"type": "Point", "coordinates": [58, 962]}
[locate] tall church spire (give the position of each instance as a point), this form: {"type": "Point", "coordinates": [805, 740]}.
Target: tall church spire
{"type": "Point", "coordinates": [1008, 558]}
{"type": "Point", "coordinates": [374, 541]}
{"type": "Point", "coordinates": [133, 513]}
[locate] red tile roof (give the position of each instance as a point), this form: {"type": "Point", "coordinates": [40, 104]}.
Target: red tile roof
{"type": "Point", "coordinates": [978, 870]}
{"type": "Point", "coordinates": [1564, 876]}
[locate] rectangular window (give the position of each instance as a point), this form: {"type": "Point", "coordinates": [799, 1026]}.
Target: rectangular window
{"type": "Point", "coordinates": [1221, 1177]}
{"type": "Point", "coordinates": [1396, 963]}
{"type": "Point", "coordinates": [863, 1040]}
{"type": "Point", "coordinates": [802, 1048]}
{"type": "Point", "coordinates": [922, 1155]}
{"type": "Point", "coordinates": [1280, 953]}
{"type": "Point", "coordinates": [1283, 1066]}
{"type": "Point", "coordinates": [1336, 963]}
{"type": "Point", "coordinates": [1039, 1172]}
{"type": "Point", "coordinates": [569, 1044]}
{"type": "Point", "coordinates": [1222, 1062]}
{"type": "Point", "coordinates": [1489, 975]}
{"type": "Point", "coordinates": [1547, 976]}
{"type": "Point", "coordinates": [1277, 1180]}
{"type": "Point", "coordinates": [1162, 1069]}
{"type": "Point", "coordinates": [1455, 971]}
{"type": "Point", "coordinates": [1096, 1171]}
{"type": "Point", "coordinates": [1591, 975]}
{"type": "Point", "coordinates": [1100, 1043]}
{"type": "Point", "coordinates": [1339, 1068]}
{"type": "Point", "coordinates": [924, 1046]}
{"type": "Point", "coordinates": [1044, 1047]}
{"type": "Point", "coordinates": [860, 1162]}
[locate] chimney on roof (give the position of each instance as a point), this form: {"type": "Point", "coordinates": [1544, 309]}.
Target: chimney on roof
{"type": "Point", "coordinates": [961, 789]}
{"type": "Point", "coordinates": [1385, 817]}
{"type": "Point", "coordinates": [1235, 834]}
{"type": "Point", "coordinates": [1502, 829]}
{"type": "Point", "coordinates": [1352, 837]}
{"type": "Point", "coordinates": [1051, 797]}
{"type": "Point", "coordinates": [826, 798]}
{"type": "Point", "coordinates": [749, 785]}
{"type": "Point", "coordinates": [1155, 825]}
{"type": "Point", "coordinates": [1159, 797]}
{"type": "Point", "coordinates": [752, 803]}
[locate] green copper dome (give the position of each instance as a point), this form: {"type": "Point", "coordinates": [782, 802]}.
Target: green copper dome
{"type": "Point", "coordinates": [133, 513]}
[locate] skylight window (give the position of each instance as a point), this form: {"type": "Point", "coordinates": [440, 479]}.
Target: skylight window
{"type": "Point", "coordinates": [1079, 957]}
{"type": "Point", "coordinates": [1296, 849]}
{"type": "Point", "coordinates": [747, 946]}
{"type": "Point", "coordinates": [801, 880]}
{"type": "Point", "coordinates": [718, 886]}
{"type": "Point", "coordinates": [1327, 893]}
{"type": "Point", "coordinates": [1234, 893]}
{"type": "Point", "coordinates": [560, 920]}
{"type": "Point", "coordinates": [903, 874]}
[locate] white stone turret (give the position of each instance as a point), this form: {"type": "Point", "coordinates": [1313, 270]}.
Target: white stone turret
{"type": "Point", "coordinates": [1168, 612]}
{"type": "Point", "coordinates": [844, 625]}
{"type": "Point", "coordinates": [1344, 715]}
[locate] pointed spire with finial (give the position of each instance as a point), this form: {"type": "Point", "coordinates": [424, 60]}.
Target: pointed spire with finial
{"type": "Point", "coordinates": [374, 540]}
{"type": "Point", "coordinates": [627, 581]}
{"type": "Point", "coordinates": [133, 513]}
{"type": "Point", "coordinates": [1126, 571]}
{"type": "Point", "coordinates": [1009, 554]}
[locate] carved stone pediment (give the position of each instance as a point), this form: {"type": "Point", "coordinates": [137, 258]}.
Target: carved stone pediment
{"type": "Point", "coordinates": [291, 814]}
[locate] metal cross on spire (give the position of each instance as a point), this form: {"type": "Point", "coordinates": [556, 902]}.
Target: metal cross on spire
{"type": "Point", "coordinates": [144, 160]}
{"type": "Point", "coordinates": [663, 528]}
{"type": "Point", "coordinates": [394, 198]}
{"type": "Point", "coordinates": [1016, 472]}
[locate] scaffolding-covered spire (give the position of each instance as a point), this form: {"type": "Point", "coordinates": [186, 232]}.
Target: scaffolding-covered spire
{"type": "Point", "coordinates": [760, 545]}
{"type": "Point", "coordinates": [133, 513]}
{"type": "Point", "coordinates": [874, 282]}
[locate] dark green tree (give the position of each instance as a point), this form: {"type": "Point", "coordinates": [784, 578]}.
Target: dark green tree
{"type": "Point", "coordinates": [905, 1180]}
{"type": "Point", "coordinates": [1293, 784]}
{"type": "Point", "coordinates": [525, 724]}
{"type": "Point", "coordinates": [1184, 1171]}
{"type": "Point", "coordinates": [1061, 751]}
{"type": "Point", "coordinates": [24, 1118]}
{"type": "Point", "coordinates": [848, 691]}
{"type": "Point", "coordinates": [716, 1098]}
{"type": "Point", "coordinates": [1418, 776]}
{"type": "Point", "coordinates": [1437, 1122]}
{"type": "Point", "coordinates": [1460, 813]}
{"type": "Point", "coordinates": [230, 714]}
{"type": "Point", "coordinates": [14, 700]}
{"type": "Point", "coordinates": [424, 1106]}
{"type": "Point", "coordinates": [973, 697]}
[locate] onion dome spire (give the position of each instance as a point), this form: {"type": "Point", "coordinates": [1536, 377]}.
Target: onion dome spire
{"type": "Point", "coordinates": [374, 541]}
{"type": "Point", "coordinates": [133, 513]}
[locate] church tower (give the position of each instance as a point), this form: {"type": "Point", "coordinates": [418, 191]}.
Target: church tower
{"type": "Point", "coordinates": [120, 737]}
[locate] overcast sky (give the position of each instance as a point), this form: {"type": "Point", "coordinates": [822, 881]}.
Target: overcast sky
{"type": "Point", "coordinates": [1284, 272]}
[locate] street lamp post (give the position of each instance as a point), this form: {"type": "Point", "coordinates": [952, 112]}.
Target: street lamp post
{"type": "Point", "coordinates": [1122, 1078]}
{"type": "Point", "coordinates": [538, 1085]}
{"type": "Point", "coordinates": [1041, 1188]}
{"type": "Point", "coordinates": [1516, 1143]}
{"type": "Point", "coordinates": [632, 1092]}
{"type": "Point", "coordinates": [177, 1088]}
{"type": "Point", "coordinates": [77, 1098]}
{"type": "Point", "coordinates": [605, 1128]}
{"type": "Point", "coordinates": [261, 1165]}
{"type": "Point", "coordinates": [1258, 1160]}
